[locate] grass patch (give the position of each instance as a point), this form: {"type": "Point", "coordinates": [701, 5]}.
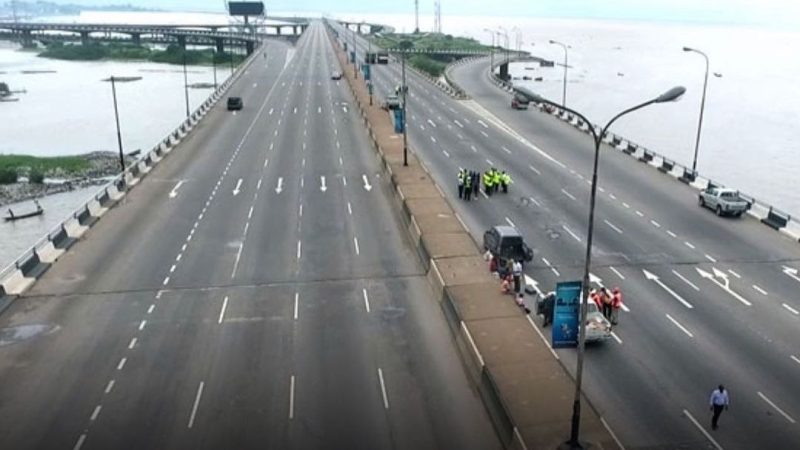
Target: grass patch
{"type": "Point", "coordinates": [71, 164]}
{"type": "Point", "coordinates": [432, 64]}
{"type": "Point", "coordinates": [173, 54]}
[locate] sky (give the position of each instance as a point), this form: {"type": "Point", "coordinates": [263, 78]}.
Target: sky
{"type": "Point", "coordinates": [779, 13]}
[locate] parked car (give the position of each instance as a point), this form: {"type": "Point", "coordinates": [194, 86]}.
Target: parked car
{"type": "Point", "coordinates": [336, 75]}
{"type": "Point", "coordinates": [519, 102]}
{"type": "Point", "coordinates": [598, 328]}
{"type": "Point", "coordinates": [505, 243]}
{"type": "Point", "coordinates": [723, 201]}
{"type": "Point", "coordinates": [235, 103]}
{"type": "Point", "coordinates": [392, 102]}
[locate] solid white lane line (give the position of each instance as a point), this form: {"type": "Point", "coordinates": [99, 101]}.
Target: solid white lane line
{"type": "Point", "coordinates": [132, 344]}
{"type": "Point", "coordinates": [795, 359]}
{"type": "Point", "coordinates": [672, 234]}
{"type": "Point", "coordinates": [689, 244]}
{"type": "Point", "coordinates": [679, 326]}
{"type": "Point", "coordinates": [613, 227]}
{"type": "Point", "coordinates": [710, 258]}
{"type": "Point", "coordinates": [296, 304]}
{"type": "Point", "coordinates": [611, 268]}
{"type": "Point", "coordinates": [366, 299]}
{"type": "Point", "coordinates": [655, 224]}
{"type": "Point", "coordinates": [616, 338]}
{"type": "Point", "coordinates": [142, 325]}
{"type": "Point", "coordinates": [166, 280]}
{"type": "Point", "coordinates": [250, 214]}
{"type": "Point", "coordinates": [534, 170]}
{"type": "Point", "coordinates": [762, 291]}
{"type": "Point", "coordinates": [445, 153]}
{"type": "Point", "coordinates": [236, 262]}
{"type": "Point", "coordinates": [349, 209]}
{"type": "Point", "coordinates": [626, 205]}
{"type": "Point", "coordinates": [299, 248]}
{"type": "Point", "coordinates": [702, 430]}
{"type": "Point", "coordinates": [355, 243]}
{"type": "Point", "coordinates": [506, 150]}
{"type": "Point", "coordinates": [575, 236]}
{"type": "Point", "coordinates": [109, 386]}
{"type": "Point", "coordinates": [196, 404]}
{"type": "Point", "coordinates": [770, 403]}
{"type": "Point", "coordinates": [121, 364]}
{"type": "Point", "coordinates": [568, 194]}
{"type": "Point", "coordinates": [510, 222]}
{"type": "Point", "coordinates": [95, 413]}
{"type": "Point", "coordinates": [383, 389]}
{"type": "Point", "coordinates": [291, 397]}
{"type": "Point", "coordinates": [686, 280]}
{"type": "Point", "coordinates": [734, 274]}
{"type": "Point", "coordinates": [222, 310]}
{"type": "Point", "coordinates": [790, 309]}
{"type": "Point", "coordinates": [535, 328]}
{"type": "Point", "coordinates": [80, 442]}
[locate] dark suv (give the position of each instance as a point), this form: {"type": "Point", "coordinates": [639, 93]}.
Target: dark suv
{"type": "Point", "coordinates": [506, 243]}
{"type": "Point", "coordinates": [235, 103]}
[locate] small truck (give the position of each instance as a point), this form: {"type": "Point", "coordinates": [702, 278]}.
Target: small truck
{"type": "Point", "coordinates": [723, 201]}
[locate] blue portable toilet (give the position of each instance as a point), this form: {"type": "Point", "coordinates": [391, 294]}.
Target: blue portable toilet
{"type": "Point", "coordinates": [399, 120]}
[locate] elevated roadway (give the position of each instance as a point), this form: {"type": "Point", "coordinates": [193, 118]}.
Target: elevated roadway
{"type": "Point", "coordinates": [708, 300]}
{"type": "Point", "coordinates": [256, 291]}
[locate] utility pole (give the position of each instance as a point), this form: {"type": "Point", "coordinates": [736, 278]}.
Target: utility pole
{"type": "Point", "coordinates": [185, 82]}
{"type": "Point", "coordinates": [116, 119]}
{"type": "Point", "coordinates": [416, 16]}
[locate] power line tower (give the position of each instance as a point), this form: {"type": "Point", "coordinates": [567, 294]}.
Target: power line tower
{"type": "Point", "coordinates": [437, 18]}
{"type": "Point", "coordinates": [416, 16]}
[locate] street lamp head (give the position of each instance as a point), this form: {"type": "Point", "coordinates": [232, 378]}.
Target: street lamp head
{"type": "Point", "coordinates": [688, 49]}
{"type": "Point", "coordinates": [671, 95]}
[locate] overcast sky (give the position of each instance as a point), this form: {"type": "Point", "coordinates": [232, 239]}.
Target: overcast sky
{"type": "Point", "coordinates": [784, 13]}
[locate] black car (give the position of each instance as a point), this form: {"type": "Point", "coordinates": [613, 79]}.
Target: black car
{"type": "Point", "coordinates": [506, 243]}
{"type": "Point", "coordinates": [235, 103]}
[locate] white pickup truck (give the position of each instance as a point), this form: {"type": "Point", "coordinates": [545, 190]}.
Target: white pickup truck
{"type": "Point", "coordinates": [723, 201]}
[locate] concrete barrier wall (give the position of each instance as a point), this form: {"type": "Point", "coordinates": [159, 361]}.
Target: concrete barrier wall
{"type": "Point", "coordinates": [790, 228]}
{"type": "Point", "coordinates": [23, 272]}
{"type": "Point", "coordinates": [498, 345]}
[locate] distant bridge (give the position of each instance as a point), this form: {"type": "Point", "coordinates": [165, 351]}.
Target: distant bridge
{"type": "Point", "coordinates": [192, 34]}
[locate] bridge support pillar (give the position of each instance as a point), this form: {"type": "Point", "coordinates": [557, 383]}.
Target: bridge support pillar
{"type": "Point", "coordinates": [182, 42]}
{"type": "Point", "coordinates": [27, 39]}
{"type": "Point", "coordinates": [504, 71]}
{"type": "Point", "coordinates": [220, 43]}
{"type": "Point", "coordinates": [136, 38]}
{"type": "Point", "coordinates": [250, 45]}
{"type": "Point", "coordinates": [278, 30]}
{"type": "Point", "coordinates": [294, 30]}
{"type": "Point", "coordinates": [84, 37]}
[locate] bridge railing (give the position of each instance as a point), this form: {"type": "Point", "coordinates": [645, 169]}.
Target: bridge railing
{"type": "Point", "coordinates": [760, 210]}
{"type": "Point", "coordinates": [20, 274]}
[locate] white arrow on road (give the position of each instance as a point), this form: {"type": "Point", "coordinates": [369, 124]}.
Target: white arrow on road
{"type": "Point", "coordinates": [654, 277]}
{"type": "Point", "coordinates": [595, 279]}
{"type": "Point", "coordinates": [532, 283]}
{"type": "Point", "coordinates": [720, 274]}
{"type": "Point", "coordinates": [236, 190]}
{"type": "Point", "coordinates": [367, 186]}
{"type": "Point", "coordinates": [322, 186]}
{"type": "Point", "coordinates": [791, 272]}
{"type": "Point", "coordinates": [279, 188]}
{"type": "Point", "coordinates": [174, 192]}
{"type": "Point", "coordinates": [724, 286]}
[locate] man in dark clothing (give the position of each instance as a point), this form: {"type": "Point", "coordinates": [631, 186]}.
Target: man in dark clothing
{"type": "Point", "coordinates": [476, 184]}
{"type": "Point", "coordinates": [547, 309]}
{"type": "Point", "coordinates": [467, 186]}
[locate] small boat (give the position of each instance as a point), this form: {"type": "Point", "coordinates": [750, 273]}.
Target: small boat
{"type": "Point", "coordinates": [37, 212]}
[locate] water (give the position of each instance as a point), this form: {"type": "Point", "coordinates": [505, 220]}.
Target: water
{"type": "Point", "coordinates": [747, 138]}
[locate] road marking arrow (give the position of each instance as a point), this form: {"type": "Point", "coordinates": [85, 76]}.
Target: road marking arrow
{"type": "Point", "coordinates": [724, 286]}
{"type": "Point", "coordinates": [791, 272]}
{"type": "Point", "coordinates": [236, 190]}
{"type": "Point", "coordinates": [533, 284]}
{"type": "Point", "coordinates": [322, 187]}
{"type": "Point", "coordinates": [174, 192]}
{"type": "Point", "coordinates": [720, 274]}
{"type": "Point", "coordinates": [595, 279]}
{"type": "Point", "coordinates": [367, 186]}
{"type": "Point", "coordinates": [654, 277]}
{"type": "Point", "coordinates": [279, 188]}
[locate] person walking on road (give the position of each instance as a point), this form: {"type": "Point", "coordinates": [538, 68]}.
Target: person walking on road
{"type": "Point", "coordinates": [516, 271]}
{"type": "Point", "coordinates": [460, 183]}
{"type": "Point", "coordinates": [476, 184]}
{"type": "Point", "coordinates": [616, 305]}
{"type": "Point", "coordinates": [467, 185]}
{"type": "Point", "coordinates": [605, 301]}
{"type": "Point", "coordinates": [506, 180]}
{"type": "Point", "coordinates": [548, 307]}
{"type": "Point", "coordinates": [719, 400]}
{"type": "Point", "coordinates": [487, 182]}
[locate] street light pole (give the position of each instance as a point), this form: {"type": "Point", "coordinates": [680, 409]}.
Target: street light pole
{"type": "Point", "coordinates": [116, 119]}
{"type": "Point", "coordinates": [702, 109]}
{"type": "Point", "coordinates": [355, 56]}
{"type": "Point", "coordinates": [669, 96]}
{"type": "Point", "coordinates": [491, 54]}
{"type": "Point", "coordinates": [405, 120]}
{"type": "Point", "coordinates": [185, 82]}
{"type": "Point", "coordinates": [214, 63]}
{"type": "Point", "coordinates": [566, 63]}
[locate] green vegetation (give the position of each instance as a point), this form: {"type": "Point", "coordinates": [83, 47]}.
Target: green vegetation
{"type": "Point", "coordinates": [432, 64]}
{"type": "Point", "coordinates": [124, 51]}
{"type": "Point", "coordinates": [11, 166]}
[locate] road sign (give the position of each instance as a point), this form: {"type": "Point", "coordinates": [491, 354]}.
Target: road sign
{"type": "Point", "coordinates": [566, 314]}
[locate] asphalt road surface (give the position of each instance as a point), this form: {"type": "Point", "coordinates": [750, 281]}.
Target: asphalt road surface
{"type": "Point", "coordinates": [708, 300]}
{"type": "Point", "coordinates": [255, 291]}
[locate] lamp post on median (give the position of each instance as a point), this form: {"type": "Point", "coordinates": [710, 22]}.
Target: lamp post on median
{"type": "Point", "coordinates": [491, 54]}
{"type": "Point", "coordinates": [566, 59]}
{"type": "Point", "coordinates": [355, 64]}
{"type": "Point", "coordinates": [116, 119]}
{"type": "Point", "coordinates": [404, 46]}
{"type": "Point", "coordinates": [505, 34]}
{"type": "Point", "coordinates": [185, 82]}
{"type": "Point", "coordinates": [669, 96]}
{"type": "Point", "coordinates": [214, 63]}
{"type": "Point", "coordinates": [702, 109]}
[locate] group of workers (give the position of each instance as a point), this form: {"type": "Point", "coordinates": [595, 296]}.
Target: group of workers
{"type": "Point", "coordinates": [469, 182]}
{"type": "Point", "coordinates": [609, 303]}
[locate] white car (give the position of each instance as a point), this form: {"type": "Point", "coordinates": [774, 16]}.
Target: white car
{"type": "Point", "coordinates": [598, 328]}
